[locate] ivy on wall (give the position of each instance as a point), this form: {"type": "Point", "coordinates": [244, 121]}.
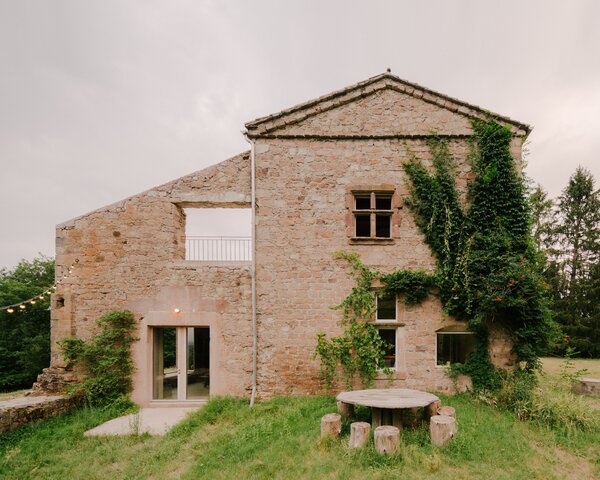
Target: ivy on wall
{"type": "Point", "coordinates": [487, 271]}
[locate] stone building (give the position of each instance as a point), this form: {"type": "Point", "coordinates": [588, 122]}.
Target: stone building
{"type": "Point", "coordinates": [322, 176]}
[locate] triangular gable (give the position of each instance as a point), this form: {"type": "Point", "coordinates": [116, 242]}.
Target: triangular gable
{"type": "Point", "coordinates": [384, 105]}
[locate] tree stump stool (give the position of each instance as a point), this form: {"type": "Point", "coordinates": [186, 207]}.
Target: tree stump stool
{"type": "Point", "coordinates": [447, 411]}
{"type": "Point", "coordinates": [387, 439]}
{"type": "Point", "coordinates": [331, 425]}
{"type": "Point", "coordinates": [441, 429]}
{"type": "Point", "coordinates": [359, 434]}
{"type": "Point", "coordinates": [346, 410]}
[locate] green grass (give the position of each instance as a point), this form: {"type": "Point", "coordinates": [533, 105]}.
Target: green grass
{"type": "Point", "coordinates": [279, 439]}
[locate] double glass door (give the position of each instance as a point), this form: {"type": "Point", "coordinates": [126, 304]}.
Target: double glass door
{"type": "Point", "coordinates": [180, 358]}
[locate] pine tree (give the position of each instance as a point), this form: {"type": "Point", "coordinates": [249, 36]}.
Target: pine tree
{"type": "Point", "coordinates": [579, 230]}
{"type": "Point", "coordinates": [577, 303]}
{"type": "Point", "coordinates": [543, 221]}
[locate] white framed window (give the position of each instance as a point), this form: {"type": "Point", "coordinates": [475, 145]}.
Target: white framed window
{"type": "Point", "coordinates": [453, 345]}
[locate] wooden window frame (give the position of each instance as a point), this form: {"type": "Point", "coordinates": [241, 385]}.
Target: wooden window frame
{"type": "Point", "coordinates": [373, 192]}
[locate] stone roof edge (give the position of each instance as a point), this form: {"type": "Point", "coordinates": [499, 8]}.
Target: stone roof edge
{"type": "Point", "coordinates": [120, 203]}
{"type": "Point", "coordinates": [418, 91]}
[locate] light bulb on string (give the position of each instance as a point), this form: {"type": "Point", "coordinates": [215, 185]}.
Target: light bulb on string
{"type": "Point", "coordinates": [22, 307]}
{"type": "Point", "coordinates": [10, 310]}
{"type": "Point", "coordinates": [32, 302]}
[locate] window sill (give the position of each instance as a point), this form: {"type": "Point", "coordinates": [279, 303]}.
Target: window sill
{"type": "Point", "coordinates": [371, 241]}
{"type": "Point", "coordinates": [387, 323]}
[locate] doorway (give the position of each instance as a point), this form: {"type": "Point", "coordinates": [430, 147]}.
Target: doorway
{"type": "Point", "coordinates": [180, 363]}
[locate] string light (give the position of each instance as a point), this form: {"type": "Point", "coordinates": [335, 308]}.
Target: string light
{"type": "Point", "coordinates": [40, 296]}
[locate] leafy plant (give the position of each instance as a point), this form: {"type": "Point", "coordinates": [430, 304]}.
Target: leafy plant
{"type": "Point", "coordinates": [105, 360]}
{"type": "Point", "coordinates": [358, 353]}
{"type": "Point", "coordinates": [487, 267]}
{"type": "Point", "coordinates": [25, 339]}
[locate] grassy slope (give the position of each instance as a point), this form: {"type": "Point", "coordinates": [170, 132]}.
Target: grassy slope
{"type": "Point", "coordinates": [279, 439]}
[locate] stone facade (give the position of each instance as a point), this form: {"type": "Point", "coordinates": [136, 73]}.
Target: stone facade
{"type": "Point", "coordinates": [310, 160]}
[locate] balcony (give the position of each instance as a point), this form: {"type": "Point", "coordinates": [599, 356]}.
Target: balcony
{"type": "Point", "coordinates": [218, 249]}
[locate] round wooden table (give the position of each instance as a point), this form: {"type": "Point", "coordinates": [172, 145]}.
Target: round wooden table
{"type": "Point", "coordinates": [389, 406]}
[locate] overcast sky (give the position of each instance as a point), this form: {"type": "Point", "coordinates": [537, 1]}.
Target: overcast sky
{"type": "Point", "coordinates": [102, 99]}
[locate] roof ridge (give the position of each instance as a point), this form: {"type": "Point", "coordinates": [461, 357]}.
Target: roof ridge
{"type": "Point", "coordinates": [418, 91]}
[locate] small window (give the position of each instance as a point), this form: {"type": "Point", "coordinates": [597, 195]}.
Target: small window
{"type": "Point", "coordinates": [373, 214]}
{"type": "Point", "coordinates": [363, 203]}
{"type": "Point", "coordinates": [386, 308]}
{"type": "Point", "coordinates": [389, 336]}
{"type": "Point", "coordinates": [363, 226]}
{"type": "Point", "coordinates": [454, 346]}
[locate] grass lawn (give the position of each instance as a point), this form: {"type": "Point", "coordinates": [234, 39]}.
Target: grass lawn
{"type": "Point", "coordinates": [279, 439]}
{"type": "Point", "coordinates": [552, 366]}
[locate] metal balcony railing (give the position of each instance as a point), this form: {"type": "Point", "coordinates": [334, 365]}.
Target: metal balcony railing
{"type": "Point", "coordinates": [218, 249]}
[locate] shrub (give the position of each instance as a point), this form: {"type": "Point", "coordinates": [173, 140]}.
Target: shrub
{"type": "Point", "coordinates": [105, 360]}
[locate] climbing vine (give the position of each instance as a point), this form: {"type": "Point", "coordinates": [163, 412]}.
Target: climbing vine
{"type": "Point", "coordinates": [358, 353]}
{"type": "Point", "coordinates": [487, 272]}
{"type": "Point", "coordinates": [486, 263]}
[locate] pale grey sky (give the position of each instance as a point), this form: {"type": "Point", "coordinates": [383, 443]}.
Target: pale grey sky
{"type": "Point", "coordinates": [102, 99]}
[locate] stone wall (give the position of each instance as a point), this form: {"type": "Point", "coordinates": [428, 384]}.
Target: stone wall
{"type": "Point", "coordinates": [307, 168]}
{"type": "Point", "coordinates": [130, 255]}
{"type": "Point", "coordinates": [16, 412]}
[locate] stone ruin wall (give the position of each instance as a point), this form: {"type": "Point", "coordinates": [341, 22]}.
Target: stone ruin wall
{"type": "Point", "coordinates": [130, 255]}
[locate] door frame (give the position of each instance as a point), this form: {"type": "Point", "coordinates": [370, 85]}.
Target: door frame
{"type": "Point", "coordinates": [181, 358]}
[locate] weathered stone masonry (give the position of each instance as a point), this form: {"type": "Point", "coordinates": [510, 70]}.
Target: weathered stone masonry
{"type": "Point", "coordinates": [309, 159]}
{"type": "Point", "coordinates": [131, 255]}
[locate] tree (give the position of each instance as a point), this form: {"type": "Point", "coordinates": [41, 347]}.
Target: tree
{"type": "Point", "coordinates": [577, 269]}
{"type": "Point", "coordinates": [543, 220]}
{"type": "Point", "coordinates": [25, 334]}
{"type": "Point", "coordinates": [579, 230]}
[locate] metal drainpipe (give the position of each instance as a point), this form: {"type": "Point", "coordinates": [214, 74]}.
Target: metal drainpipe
{"type": "Point", "coordinates": [253, 271]}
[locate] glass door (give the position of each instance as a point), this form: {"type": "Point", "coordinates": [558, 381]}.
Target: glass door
{"type": "Point", "coordinates": [180, 358]}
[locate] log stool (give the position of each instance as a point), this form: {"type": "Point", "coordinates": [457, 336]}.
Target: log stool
{"type": "Point", "coordinates": [331, 425]}
{"type": "Point", "coordinates": [441, 429]}
{"type": "Point", "coordinates": [387, 439]}
{"type": "Point", "coordinates": [447, 411]}
{"type": "Point", "coordinates": [359, 434]}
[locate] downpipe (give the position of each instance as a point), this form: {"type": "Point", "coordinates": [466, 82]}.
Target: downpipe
{"type": "Point", "coordinates": [253, 271]}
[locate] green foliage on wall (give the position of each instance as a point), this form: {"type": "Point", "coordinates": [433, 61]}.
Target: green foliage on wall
{"type": "Point", "coordinates": [488, 270]}
{"type": "Point", "coordinates": [104, 361]}
{"type": "Point", "coordinates": [358, 353]}
{"type": "Point", "coordinates": [412, 286]}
